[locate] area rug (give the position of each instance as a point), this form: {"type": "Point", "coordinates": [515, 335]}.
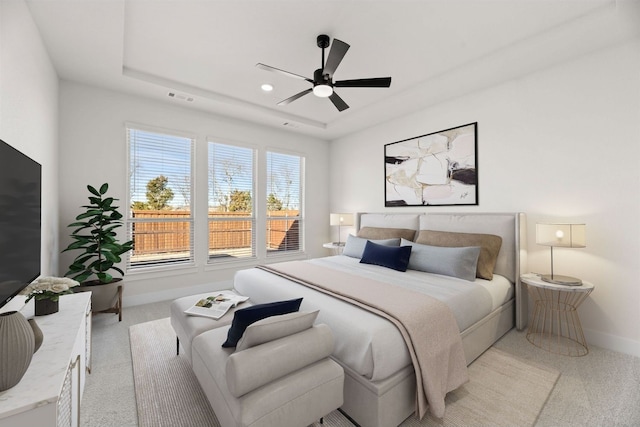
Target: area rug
{"type": "Point", "coordinates": [503, 390]}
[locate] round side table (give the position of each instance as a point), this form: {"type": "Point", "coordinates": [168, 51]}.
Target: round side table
{"type": "Point", "coordinates": [555, 326]}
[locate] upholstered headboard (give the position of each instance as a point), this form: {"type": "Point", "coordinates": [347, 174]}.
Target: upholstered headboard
{"type": "Point", "coordinates": [511, 227]}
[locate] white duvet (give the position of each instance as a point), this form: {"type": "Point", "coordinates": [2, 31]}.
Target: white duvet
{"type": "Point", "coordinates": [365, 342]}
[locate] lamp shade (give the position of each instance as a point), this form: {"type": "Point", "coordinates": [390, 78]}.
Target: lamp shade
{"type": "Point", "coordinates": [341, 219]}
{"type": "Point", "coordinates": [562, 235]}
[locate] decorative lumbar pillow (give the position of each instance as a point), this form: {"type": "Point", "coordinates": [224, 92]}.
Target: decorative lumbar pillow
{"type": "Point", "coordinates": [489, 244]}
{"type": "Point", "coordinates": [450, 261]}
{"type": "Point", "coordinates": [274, 327]}
{"type": "Point", "coordinates": [244, 317]}
{"type": "Point", "coordinates": [355, 245]}
{"type": "Point", "coordinates": [378, 233]}
{"type": "Point", "coordinates": [393, 257]}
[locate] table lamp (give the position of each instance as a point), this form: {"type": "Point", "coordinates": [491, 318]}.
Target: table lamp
{"type": "Point", "coordinates": [340, 219]}
{"type": "Point", "coordinates": [564, 236]}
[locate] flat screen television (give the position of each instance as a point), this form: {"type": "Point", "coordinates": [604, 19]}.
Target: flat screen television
{"type": "Point", "coordinates": [20, 224]}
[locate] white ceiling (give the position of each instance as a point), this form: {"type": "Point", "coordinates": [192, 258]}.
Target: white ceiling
{"type": "Point", "coordinates": [207, 50]}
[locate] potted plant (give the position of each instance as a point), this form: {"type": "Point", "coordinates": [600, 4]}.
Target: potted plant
{"type": "Point", "coordinates": [47, 291]}
{"type": "Point", "coordinates": [95, 236]}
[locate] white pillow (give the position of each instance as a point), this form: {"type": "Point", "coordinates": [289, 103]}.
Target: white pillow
{"type": "Point", "coordinates": [274, 327]}
{"type": "Point", "coordinates": [460, 262]}
{"type": "Point", "coordinates": [355, 245]}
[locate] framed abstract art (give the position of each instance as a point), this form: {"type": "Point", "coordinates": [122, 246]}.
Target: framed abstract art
{"type": "Point", "coordinates": [436, 169]}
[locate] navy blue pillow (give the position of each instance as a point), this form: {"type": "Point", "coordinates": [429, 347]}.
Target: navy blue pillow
{"type": "Point", "coordinates": [244, 317]}
{"type": "Point", "coordinates": [393, 257]}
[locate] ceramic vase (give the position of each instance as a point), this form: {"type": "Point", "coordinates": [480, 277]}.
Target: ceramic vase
{"type": "Point", "coordinates": [37, 334]}
{"type": "Point", "coordinates": [17, 345]}
{"type": "Point", "coordinates": [46, 306]}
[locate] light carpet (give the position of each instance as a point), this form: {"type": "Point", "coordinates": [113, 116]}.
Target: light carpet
{"type": "Point", "coordinates": [503, 390]}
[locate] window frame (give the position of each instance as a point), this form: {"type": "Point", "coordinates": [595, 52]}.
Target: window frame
{"type": "Point", "coordinates": [199, 260]}
{"type": "Point", "coordinates": [179, 264]}
{"type": "Point", "coordinates": [301, 212]}
{"type": "Point", "coordinates": [254, 218]}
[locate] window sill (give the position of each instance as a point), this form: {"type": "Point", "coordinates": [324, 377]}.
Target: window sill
{"type": "Point", "coordinates": [250, 263]}
{"type": "Point", "coordinates": [157, 272]}
{"type": "Point", "coordinates": [285, 257]}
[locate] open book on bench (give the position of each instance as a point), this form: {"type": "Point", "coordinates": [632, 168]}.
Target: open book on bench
{"type": "Point", "coordinates": [216, 305]}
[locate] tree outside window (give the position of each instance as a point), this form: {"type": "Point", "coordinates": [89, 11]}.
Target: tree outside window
{"type": "Point", "coordinates": [232, 232]}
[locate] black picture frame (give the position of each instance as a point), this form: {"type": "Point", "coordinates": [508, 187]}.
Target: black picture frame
{"type": "Point", "coordinates": [434, 169]}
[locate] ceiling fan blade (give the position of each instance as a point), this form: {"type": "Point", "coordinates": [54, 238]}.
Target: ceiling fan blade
{"type": "Point", "coordinates": [294, 97]}
{"type": "Point", "coordinates": [338, 102]}
{"type": "Point", "coordinates": [278, 70]}
{"type": "Point", "coordinates": [375, 82]}
{"type": "Point", "coordinates": [337, 52]}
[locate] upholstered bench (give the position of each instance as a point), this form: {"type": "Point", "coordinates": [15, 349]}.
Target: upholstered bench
{"type": "Point", "coordinates": [188, 327]}
{"type": "Point", "coordinates": [279, 375]}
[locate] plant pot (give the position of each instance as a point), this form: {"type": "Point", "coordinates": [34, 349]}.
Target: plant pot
{"type": "Point", "coordinates": [17, 344]}
{"type": "Point", "coordinates": [46, 306]}
{"type": "Point", "coordinates": [105, 297]}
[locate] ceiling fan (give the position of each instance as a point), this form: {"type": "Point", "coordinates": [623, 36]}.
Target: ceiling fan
{"type": "Point", "coordinates": [322, 82]}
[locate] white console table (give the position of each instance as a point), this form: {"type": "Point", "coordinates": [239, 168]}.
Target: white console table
{"type": "Point", "coordinates": [49, 394]}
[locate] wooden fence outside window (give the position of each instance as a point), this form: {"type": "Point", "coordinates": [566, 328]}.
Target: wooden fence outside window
{"type": "Point", "coordinates": [160, 237]}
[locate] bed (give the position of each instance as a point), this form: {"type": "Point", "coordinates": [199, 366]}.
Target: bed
{"type": "Point", "coordinates": [380, 381]}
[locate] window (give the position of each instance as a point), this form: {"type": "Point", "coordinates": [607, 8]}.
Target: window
{"type": "Point", "coordinates": [284, 202]}
{"type": "Point", "coordinates": [232, 220]}
{"type": "Point", "coordinates": [160, 219]}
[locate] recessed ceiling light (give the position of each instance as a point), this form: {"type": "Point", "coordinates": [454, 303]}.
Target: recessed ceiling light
{"type": "Point", "coordinates": [267, 87]}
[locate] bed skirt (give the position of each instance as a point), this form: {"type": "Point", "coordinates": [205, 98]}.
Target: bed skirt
{"type": "Point", "coordinates": [390, 401]}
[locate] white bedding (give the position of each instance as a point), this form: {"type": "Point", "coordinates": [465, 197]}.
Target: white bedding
{"type": "Point", "coordinates": [365, 342]}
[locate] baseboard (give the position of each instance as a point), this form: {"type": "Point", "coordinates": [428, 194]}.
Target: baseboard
{"type": "Point", "coordinates": [612, 342]}
{"type": "Point", "coordinates": [171, 294]}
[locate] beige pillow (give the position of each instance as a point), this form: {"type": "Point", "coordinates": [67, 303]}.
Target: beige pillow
{"type": "Point", "coordinates": [274, 327]}
{"type": "Point", "coordinates": [377, 233]}
{"type": "Point", "coordinates": [489, 244]}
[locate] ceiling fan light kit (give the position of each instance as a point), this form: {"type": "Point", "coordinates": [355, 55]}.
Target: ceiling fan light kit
{"type": "Point", "coordinates": [322, 91]}
{"type": "Point", "coordinates": [322, 82]}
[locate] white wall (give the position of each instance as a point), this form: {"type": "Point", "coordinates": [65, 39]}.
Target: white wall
{"type": "Point", "coordinates": [562, 145]}
{"type": "Point", "coordinates": [29, 111]}
{"type": "Point", "coordinates": [93, 151]}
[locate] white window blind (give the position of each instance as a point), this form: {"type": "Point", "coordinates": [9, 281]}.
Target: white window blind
{"type": "Point", "coordinates": [284, 203]}
{"type": "Point", "coordinates": [232, 221]}
{"type": "Point", "coordinates": [160, 220]}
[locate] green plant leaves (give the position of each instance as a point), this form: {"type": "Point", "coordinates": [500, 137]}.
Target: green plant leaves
{"type": "Point", "coordinates": [100, 248]}
{"type": "Point", "coordinates": [93, 190]}
{"type": "Point", "coordinates": [105, 277]}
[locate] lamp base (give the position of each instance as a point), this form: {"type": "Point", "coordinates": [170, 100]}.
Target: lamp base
{"type": "Point", "coordinates": [557, 279]}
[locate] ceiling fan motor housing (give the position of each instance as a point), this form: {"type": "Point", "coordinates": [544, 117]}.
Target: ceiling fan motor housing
{"type": "Point", "coordinates": [321, 79]}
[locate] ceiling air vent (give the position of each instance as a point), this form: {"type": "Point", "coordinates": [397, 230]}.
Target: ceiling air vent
{"type": "Point", "coordinates": [180, 96]}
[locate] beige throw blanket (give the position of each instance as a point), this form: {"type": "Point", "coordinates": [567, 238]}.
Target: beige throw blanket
{"type": "Point", "coordinates": [426, 324]}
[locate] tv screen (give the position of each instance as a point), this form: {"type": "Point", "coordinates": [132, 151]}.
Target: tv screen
{"type": "Point", "coordinates": [20, 206]}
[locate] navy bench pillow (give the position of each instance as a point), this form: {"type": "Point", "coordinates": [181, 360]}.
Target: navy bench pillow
{"type": "Point", "coordinates": [244, 317]}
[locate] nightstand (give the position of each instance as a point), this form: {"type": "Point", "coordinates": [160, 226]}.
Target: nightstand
{"type": "Point", "coordinates": [337, 247]}
{"type": "Point", "coordinates": [556, 326]}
